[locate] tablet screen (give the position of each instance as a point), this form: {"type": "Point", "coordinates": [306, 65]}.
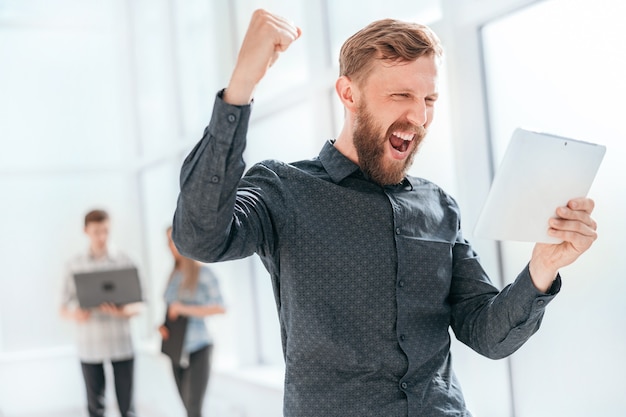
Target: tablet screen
{"type": "Point", "coordinates": [538, 173]}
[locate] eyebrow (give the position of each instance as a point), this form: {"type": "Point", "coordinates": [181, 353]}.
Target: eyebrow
{"type": "Point", "coordinates": [434, 95]}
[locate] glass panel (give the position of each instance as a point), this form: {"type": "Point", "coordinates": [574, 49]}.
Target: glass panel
{"type": "Point", "coordinates": [154, 74]}
{"type": "Point", "coordinates": [200, 56]}
{"type": "Point", "coordinates": [565, 76]}
{"type": "Point", "coordinates": [69, 13]}
{"type": "Point", "coordinates": [62, 96]}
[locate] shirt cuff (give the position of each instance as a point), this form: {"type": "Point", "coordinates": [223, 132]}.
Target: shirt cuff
{"type": "Point", "coordinates": [525, 288]}
{"type": "Point", "coordinates": [555, 288]}
{"type": "Point", "coordinates": [227, 118]}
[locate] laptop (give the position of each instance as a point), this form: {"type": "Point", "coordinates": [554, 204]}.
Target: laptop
{"type": "Point", "coordinates": [538, 173]}
{"type": "Point", "coordinates": [117, 286]}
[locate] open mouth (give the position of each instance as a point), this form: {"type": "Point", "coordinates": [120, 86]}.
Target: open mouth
{"type": "Point", "coordinates": [401, 141]}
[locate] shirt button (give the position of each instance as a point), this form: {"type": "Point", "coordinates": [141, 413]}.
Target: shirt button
{"type": "Point", "coordinates": [231, 118]}
{"type": "Point", "coordinates": [540, 303]}
{"type": "Point", "coordinates": [215, 179]}
{"type": "Point", "coordinates": [404, 385]}
{"type": "Point", "coordinates": [397, 230]}
{"type": "Point", "coordinates": [401, 283]}
{"type": "Point", "coordinates": [402, 337]}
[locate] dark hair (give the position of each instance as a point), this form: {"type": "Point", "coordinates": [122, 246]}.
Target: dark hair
{"type": "Point", "coordinates": [96, 216]}
{"type": "Point", "coordinates": [387, 39]}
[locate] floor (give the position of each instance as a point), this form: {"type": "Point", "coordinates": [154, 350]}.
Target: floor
{"type": "Point", "coordinates": [155, 396]}
{"type": "Point", "coordinates": [247, 392]}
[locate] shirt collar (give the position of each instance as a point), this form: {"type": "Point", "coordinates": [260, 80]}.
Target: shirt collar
{"type": "Point", "coordinates": [335, 163]}
{"type": "Point", "coordinates": [105, 258]}
{"type": "Point", "coordinates": [111, 253]}
{"type": "Point", "coordinates": [339, 167]}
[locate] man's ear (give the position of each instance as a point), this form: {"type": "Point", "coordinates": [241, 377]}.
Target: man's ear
{"type": "Point", "coordinates": [346, 91]}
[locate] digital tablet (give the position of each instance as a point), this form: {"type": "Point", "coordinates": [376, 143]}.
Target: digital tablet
{"type": "Point", "coordinates": [538, 173]}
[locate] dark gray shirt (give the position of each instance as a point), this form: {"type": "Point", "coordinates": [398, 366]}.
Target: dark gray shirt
{"type": "Point", "coordinates": [367, 279]}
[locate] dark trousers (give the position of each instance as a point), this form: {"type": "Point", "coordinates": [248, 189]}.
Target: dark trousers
{"type": "Point", "coordinates": [93, 374]}
{"type": "Point", "coordinates": [193, 380]}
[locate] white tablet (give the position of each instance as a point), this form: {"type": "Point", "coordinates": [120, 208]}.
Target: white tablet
{"type": "Point", "coordinates": [538, 173]}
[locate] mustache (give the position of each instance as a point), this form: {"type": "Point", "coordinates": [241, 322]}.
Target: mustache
{"type": "Point", "coordinates": [420, 131]}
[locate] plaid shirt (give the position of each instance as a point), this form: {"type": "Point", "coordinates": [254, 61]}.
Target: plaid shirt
{"type": "Point", "coordinates": [102, 337]}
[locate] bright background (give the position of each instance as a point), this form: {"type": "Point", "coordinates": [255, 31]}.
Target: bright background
{"type": "Point", "coordinates": [101, 100]}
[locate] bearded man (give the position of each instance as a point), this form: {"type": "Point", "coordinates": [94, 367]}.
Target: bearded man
{"type": "Point", "coordinates": [369, 266]}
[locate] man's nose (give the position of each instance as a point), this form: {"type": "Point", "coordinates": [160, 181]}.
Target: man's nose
{"type": "Point", "coordinates": [417, 114]}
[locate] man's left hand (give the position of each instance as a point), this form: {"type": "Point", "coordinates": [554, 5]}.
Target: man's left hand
{"type": "Point", "coordinates": [576, 228]}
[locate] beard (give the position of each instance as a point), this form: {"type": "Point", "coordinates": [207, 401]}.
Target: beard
{"type": "Point", "coordinates": [370, 147]}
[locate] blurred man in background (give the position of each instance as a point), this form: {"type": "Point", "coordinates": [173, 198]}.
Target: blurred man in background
{"type": "Point", "coordinates": [102, 333]}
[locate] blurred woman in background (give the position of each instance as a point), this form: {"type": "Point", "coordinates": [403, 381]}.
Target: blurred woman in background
{"type": "Point", "coordinates": [192, 292]}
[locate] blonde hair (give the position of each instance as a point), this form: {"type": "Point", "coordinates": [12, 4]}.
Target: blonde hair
{"type": "Point", "coordinates": [390, 40]}
{"type": "Point", "coordinates": [190, 270]}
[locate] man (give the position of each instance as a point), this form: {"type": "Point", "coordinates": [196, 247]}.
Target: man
{"type": "Point", "coordinates": [369, 266]}
{"type": "Point", "coordinates": [103, 333]}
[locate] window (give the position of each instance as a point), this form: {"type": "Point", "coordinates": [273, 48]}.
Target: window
{"type": "Point", "coordinates": [565, 76]}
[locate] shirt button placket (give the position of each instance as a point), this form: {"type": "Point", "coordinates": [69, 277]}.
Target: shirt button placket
{"type": "Point", "coordinates": [401, 283]}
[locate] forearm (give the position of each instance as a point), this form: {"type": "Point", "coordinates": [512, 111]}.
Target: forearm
{"type": "Point", "coordinates": [123, 311]}
{"type": "Point", "coordinates": [542, 273]}
{"type": "Point", "coordinates": [201, 310]}
{"type": "Point", "coordinates": [496, 325]}
{"type": "Point", "coordinates": [74, 313]}
{"type": "Point", "coordinates": [67, 313]}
